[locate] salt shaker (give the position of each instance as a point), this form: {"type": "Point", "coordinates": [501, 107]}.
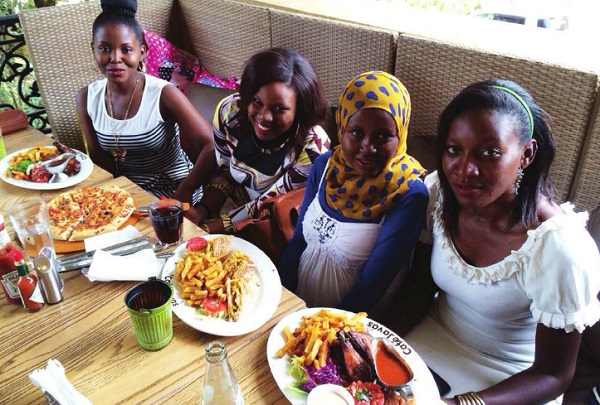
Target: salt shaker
{"type": "Point", "coordinates": [51, 286]}
{"type": "Point", "coordinates": [220, 385]}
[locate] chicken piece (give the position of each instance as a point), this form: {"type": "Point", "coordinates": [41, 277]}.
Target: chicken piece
{"type": "Point", "coordinates": [362, 343]}
{"type": "Point", "coordinates": [357, 367]}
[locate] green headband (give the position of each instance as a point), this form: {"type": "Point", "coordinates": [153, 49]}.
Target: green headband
{"type": "Point", "coordinates": [523, 103]}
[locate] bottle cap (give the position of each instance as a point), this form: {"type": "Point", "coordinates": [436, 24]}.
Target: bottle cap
{"type": "Point", "coordinates": [21, 266]}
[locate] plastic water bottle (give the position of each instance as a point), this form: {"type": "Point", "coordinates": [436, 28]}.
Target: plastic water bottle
{"type": "Point", "coordinates": [220, 385]}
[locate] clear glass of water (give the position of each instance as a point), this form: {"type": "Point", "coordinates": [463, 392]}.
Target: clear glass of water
{"type": "Point", "coordinates": [32, 224]}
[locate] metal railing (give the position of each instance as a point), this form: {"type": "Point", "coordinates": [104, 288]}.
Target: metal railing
{"type": "Point", "coordinates": [18, 85]}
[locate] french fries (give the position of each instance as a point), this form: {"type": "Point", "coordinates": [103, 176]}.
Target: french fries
{"type": "Point", "coordinates": [213, 273]}
{"type": "Point", "coordinates": [36, 154]}
{"type": "Point", "coordinates": [311, 340]}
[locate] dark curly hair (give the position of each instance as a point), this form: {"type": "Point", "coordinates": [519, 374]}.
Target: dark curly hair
{"type": "Point", "coordinates": [536, 180]}
{"type": "Point", "coordinates": [290, 67]}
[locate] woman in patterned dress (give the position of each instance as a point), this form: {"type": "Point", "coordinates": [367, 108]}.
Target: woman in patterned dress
{"type": "Point", "coordinates": [364, 205]}
{"type": "Point", "coordinates": [266, 137]}
{"type": "Point", "coordinates": [132, 121]}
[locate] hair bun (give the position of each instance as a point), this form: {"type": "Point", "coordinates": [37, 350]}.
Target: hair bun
{"type": "Point", "coordinates": [126, 7]}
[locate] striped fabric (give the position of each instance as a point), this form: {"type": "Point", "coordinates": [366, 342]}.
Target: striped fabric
{"type": "Point", "coordinates": [262, 173]}
{"type": "Point", "coordinates": [155, 160]}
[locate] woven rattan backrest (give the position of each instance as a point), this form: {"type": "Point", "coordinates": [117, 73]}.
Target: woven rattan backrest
{"type": "Point", "coordinates": [434, 72]}
{"type": "Point", "coordinates": [59, 41]}
{"type": "Point", "coordinates": [338, 51]}
{"type": "Point", "coordinates": [224, 34]}
{"type": "Point", "coordinates": [585, 192]}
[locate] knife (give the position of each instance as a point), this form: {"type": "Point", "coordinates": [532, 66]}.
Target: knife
{"type": "Point", "coordinates": [87, 261]}
{"type": "Point", "coordinates": [80, 256]}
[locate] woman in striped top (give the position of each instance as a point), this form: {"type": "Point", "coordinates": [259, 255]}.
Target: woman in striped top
{"type": "Point", "coordinates": [266, 138]}
{"type": "Point", "coordinates": [132, 121]}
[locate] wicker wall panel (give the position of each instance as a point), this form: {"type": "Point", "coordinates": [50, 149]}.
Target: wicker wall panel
{"type": "Point", "coordinates": [586, 188]}
{"type": "Point", "coordinates": [434, 72]}
{"type": "Point", "coordinates": [338, 51]}
{"type": "Point", "coordinates": [224, 34]}
{"type": "Point", "coordinates": [59, 41]}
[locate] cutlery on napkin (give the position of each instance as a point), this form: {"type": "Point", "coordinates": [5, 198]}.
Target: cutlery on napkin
{"type": "Point", "coordinates": [138, 266]}
{"type": "Point", "coordinates": [55, 385]}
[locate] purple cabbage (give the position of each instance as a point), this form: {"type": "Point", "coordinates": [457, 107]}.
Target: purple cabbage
{"type": "Point", "coordinates": [328, 374]}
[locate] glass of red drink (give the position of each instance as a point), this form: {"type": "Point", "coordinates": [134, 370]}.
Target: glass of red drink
{"type": "Point", "coordinates": [167, 220]}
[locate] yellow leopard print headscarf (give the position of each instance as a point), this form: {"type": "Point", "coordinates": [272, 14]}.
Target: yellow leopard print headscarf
{"type": "Point", "coordinates": [365, 198]}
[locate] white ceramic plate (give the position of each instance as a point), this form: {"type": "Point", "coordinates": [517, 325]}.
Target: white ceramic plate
{"type": "Point", "coordinates": [424, 388]}
{"type": "Point", "coordinates": [87, 166]}
{"type": "Point", "coordinates": [261, 303]}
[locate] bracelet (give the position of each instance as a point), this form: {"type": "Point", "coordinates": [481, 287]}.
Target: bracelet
{"type": "Point", "coordinates": [469, 398]}
{"type": "Point", "coordinates": [227, 224]}
{"type": "Point", "coordinates": [222, 187]}
{"type": "Point", "coordinates": [205, 228]}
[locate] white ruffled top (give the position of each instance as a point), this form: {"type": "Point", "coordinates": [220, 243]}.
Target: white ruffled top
{"type": "Point", "coordinates": [553, 279]}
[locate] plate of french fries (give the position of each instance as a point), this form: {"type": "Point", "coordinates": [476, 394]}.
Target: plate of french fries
{"type": "Point", "coordinates": [24, 160]}
{"type": "Point", "coordinates": [306, 337]}
{"type": "Point", "coordinates": [227, 288]}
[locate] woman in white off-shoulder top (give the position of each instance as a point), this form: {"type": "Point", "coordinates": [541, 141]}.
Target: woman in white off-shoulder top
{"type": "Point", "coordinates": [517, 274]}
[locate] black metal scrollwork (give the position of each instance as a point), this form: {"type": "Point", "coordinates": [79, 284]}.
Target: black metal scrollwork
{"type": "Point", "coordinates": [15, 68]}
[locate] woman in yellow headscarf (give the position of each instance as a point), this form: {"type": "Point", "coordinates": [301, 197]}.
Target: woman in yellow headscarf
{"type": "Point", "coordinates": [364, 205]}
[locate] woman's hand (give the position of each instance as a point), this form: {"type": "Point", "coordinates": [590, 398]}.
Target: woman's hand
{"type": "Point", "coordinates": [196, 214]}
{"type": "Point", "coordinates": [548, 377]}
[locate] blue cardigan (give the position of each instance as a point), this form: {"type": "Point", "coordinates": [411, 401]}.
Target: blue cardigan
{"type": "Point", "coordinates": [399, 234]}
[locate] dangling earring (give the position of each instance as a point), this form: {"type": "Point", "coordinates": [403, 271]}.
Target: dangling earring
{"type": "Point", "coordinates": [142, 66]}
{"type": "Point", "coordinates": [518, 180]}
{"type": "Point", "coordinates": [94, 65]}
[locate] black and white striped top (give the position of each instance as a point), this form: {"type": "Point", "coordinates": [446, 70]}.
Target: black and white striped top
{"type": "Point", "coordinates": [155, 160]}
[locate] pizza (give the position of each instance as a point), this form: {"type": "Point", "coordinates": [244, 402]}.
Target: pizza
{"type": "Point", "coordinates": [89, 211]}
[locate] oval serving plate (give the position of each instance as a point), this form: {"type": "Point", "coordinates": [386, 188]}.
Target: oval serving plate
{"type": "Point", "coordinates": [87, 166]}
{"type": "Point", "coordinates": [423, 385]}
{"type": "Point", "coordinates": [261, 302]}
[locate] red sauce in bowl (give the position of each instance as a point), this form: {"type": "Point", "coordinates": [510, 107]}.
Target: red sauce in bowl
{"type": "Point", "coordinates": [390, 369]}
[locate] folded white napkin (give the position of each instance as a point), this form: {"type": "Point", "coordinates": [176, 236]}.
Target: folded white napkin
{"type": "Point", "coordinates": [52, 380]}
{"type": "Point", "coordinates": [135, 267]}
{"type": "Point", "coordinates": [111, 238]}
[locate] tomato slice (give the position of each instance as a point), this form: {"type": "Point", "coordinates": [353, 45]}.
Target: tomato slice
{"type": "Point", "coordinates": [214, 304]}
{"type": "Point", "coordinates": [196, 243]}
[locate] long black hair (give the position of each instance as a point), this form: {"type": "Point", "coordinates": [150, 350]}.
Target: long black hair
{"type": "Point", "coordinates": [290, 67]}
{"type": "Point", "coordinates": [536, 180]}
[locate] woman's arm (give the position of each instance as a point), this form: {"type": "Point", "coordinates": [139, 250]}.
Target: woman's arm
{"type": "Point", "coordinates": [392, 250]}
{"type": "Point", "coordinates": [196, 139]}
{"type": "Point", "coordinates": [288, 268]}
{"type": "Point", "coordinates": [98, 155]}
{"type": "Point", "coordinates": [295, 176]}
{"type": "Point", "coordinates": [548, 377]}
{"type": "Point", "coordinates": [416, 295]}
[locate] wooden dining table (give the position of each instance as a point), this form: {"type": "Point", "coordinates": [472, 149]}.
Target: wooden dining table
{"type": "Point", "coordinates": [91, 334]}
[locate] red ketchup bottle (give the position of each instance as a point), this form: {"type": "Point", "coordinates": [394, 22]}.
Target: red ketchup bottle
{"type": "Point", "coordinates": [27, 283]}
{"type": "Point", "coordinates": [8, 272]}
